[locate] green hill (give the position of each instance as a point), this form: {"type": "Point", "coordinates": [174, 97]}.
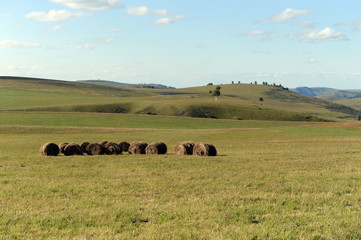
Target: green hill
{"type": "Point", "coordinates": [237, 101]}
{"type": "Point", "coordinates": [125, 85]}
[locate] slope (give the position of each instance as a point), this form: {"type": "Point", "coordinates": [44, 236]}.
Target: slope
{"type": "Point", "coordinates": [237, 101]}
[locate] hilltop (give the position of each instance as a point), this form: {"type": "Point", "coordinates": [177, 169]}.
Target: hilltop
{"type": "Point", "coordinates": [126, 85]}
{"type": "Point", "coordinates": [237, 101]}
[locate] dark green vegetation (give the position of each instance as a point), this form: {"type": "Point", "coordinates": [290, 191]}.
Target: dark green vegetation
{"type": "Point", "coordinates": [236, 101]}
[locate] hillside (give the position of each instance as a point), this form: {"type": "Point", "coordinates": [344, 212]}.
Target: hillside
{"type": "Point", "coordinates": [237, 101]}
{"type": "Point", "coordinates": [350, 98]}
{"type": "Point", "coordinates": [125, 85]}
{"type": "Point", "coordinates": [329, 94]}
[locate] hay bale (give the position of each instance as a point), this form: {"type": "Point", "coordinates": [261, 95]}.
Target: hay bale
{"type": "Point", "coordinates": [103, 143]}
{"type": "Point", "coordinates": [124, 146]}
{"type": "Point", "coordinates": [83, 146]}
{"type": "Point", "coordinates": [137, 147]}
{"type": "Point", "coordinates": [156, 148]}
{"type": "Point", "coordinates": [94, 149]}
{"type": "Point", "coordinates": [72, 149]}
{"type": "Point", "coordinates": [184, 148]}
{"type": "Point", "coordinates": [204, 149]}
{"type": "Point", "coordinates": [112, 148]}
{"type": "Point", "coordinates": [49, 149]}
{"type": "Point", "coordinates": [62, 146]}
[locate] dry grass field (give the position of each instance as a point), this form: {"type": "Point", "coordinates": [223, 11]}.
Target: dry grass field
{"type": "Point", "coordinates": [270, 180]}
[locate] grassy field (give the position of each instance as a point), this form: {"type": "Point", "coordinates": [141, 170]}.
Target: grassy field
{"type": "Point", "coordinates": [271, 180]}
{"type": "Point", "coordinates": [237, 101]}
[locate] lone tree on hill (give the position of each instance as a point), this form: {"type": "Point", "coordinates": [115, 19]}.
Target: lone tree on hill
{"type": "Point", "coordinates": [217, 91]}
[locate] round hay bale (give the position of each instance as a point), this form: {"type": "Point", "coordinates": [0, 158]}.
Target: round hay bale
{"type": "Point", "coordinates": [112, 148]}
{"type": "Point", "coordinates": [62, 146]}
{"type": "Point", "coordinates": [204, 149]}
{"type": "Point", "coordinates": [49, 149]}
{"type": "Point", "coordinates": [184, 148]}
{"type": "Point", "coordinates": [156, 148]}
{"type": "Point", "coordinates": [103, 143]}
{"type": "Point", "coordinates": [94, 149]}
{"type": "Point", "coordinates": [72, 149]}
{"type": "Point", "coordinates": [137, 147]}
{"type": "Point", "coordinates": [124, 146]}
{"type": "Point", "coordinates": [83, 146]}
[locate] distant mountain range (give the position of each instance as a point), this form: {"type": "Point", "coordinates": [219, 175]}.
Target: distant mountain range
{"type": "Point", "coordinates": [126, 85]}
{"type": "Point", "coordinates": [328, 93]}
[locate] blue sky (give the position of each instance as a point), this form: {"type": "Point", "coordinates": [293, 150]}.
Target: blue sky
{"type": "Point", "coordinates": [184, 43]}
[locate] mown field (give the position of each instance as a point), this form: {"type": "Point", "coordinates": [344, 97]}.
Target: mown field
{"type": "Point", "coordinates": [270, 180]}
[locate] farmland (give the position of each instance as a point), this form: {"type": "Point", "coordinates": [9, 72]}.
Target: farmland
{"type": "Point", "coordinates": [270, 180]}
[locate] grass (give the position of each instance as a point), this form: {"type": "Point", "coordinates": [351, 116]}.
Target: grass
{"type": "Point", "coordinates": [111, 120]}
{"type": "Point", "coordinates": [237, 101]}
{"type": "Point", "coordinates": [271, 180]}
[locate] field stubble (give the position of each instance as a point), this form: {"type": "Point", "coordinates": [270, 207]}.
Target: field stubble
{"type": "Point", "coordinates": [276, 182]}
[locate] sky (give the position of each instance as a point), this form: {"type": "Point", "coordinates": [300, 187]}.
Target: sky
{"type": "Point", "coordinates": [183, 43]}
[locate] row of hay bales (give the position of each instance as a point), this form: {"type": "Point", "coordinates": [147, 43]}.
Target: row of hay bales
{"type": "Point", "coordinates": [138, 147]}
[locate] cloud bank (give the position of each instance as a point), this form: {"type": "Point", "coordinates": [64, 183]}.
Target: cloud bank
{"type": "Point", "coordinates": [287, 15]}
{"type": "Point", "coordinates": [90, 4]}
{"type": "Point", "coordinates": [54, 15]}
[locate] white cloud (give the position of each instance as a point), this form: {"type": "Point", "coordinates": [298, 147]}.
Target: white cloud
{"type": "Point", "coordinates": [312, 61]}
{"type": "Point", "coordinates": [144, 10]}
{"type": "Point", "coordinates": [256, 33]}
{"type": "Point", "coordinates": [13, 43]}
{"type": "Point", "coordinates": [92, 45]}
{"type": "Point", "coordinates": [138, 11]}
{"type": "Point", "coordinates": [161, 12]}
{"type": "Point", "coordinates": [165, 20]}
{"type": "Point", "coordinates": [288, 15]}
{"type": "Point", "coordinates": [82, 46]}
{"type": "Point", "coordinates": [315, 35]}
{"type": "Point", "coordinates": [56, 28]}
{"type": "Point", "coordinates": [168, 20]}
{"type": "Point", "coordinates": [23, 67]}
{"type": "Point", "coordinates": [263, 34]}
{"type": "Point", "coordinates": [54, 15]}
{"type": "Point", "coordinates": [355, 23]}
{"type": "Point", "coordinates": [90, 4]}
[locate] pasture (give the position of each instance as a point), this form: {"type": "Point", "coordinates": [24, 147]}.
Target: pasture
{"type": "Point", "coordinates": [270, 180]}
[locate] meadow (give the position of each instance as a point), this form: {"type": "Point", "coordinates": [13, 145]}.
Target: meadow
{"type": "Point", "coordinates": [270, 180]}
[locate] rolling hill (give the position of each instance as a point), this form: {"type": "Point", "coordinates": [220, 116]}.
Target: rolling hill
{"type": "Point", "coordinates": [237, 101]}
{"type": "Point", "coordinates": [350, 98]}
{"type": "Point", "coordinates": [125, 85]}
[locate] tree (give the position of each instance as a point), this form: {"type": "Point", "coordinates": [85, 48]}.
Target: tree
{"type": "Point", "coordinates": [217, 91]}
{"type": "Point", "coordinates": [209, 84]}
